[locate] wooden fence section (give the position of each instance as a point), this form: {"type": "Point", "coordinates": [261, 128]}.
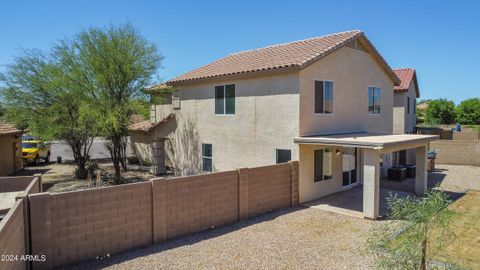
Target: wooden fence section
{"type": "Point", "coordinates": [76, 226]}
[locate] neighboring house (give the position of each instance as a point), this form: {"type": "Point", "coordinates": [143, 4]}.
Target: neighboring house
{"type": "Point", "coordinates": [10, 149]}
{"type": "Point", "coordinates": [326, 101]}
{"type": "Point", "coordinates": [405, 101]}
{"type": "Point", "coordinates": [405, 111]}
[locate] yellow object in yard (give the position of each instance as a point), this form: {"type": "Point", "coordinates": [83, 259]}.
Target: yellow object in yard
{"type": "Point", "coordinates": [33, 151]}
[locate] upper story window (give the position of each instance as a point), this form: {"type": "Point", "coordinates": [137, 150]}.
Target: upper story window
{"type": "Point", "coordinates": [323, 164]}
{"type": "Point", "coordinates": [374, 97]}
{"type": "Point", "coordinates": [408, 105]}
{"type": "Point", "coordinates": [324, 97]}
{"type": "Point", "coordinates": [414, 105]}
{"type": "Point", "coordinates": [225, 99]}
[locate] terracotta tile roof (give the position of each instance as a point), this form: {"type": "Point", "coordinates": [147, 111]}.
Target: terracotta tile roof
{"type": "Point", "coordinates": [406, 75]}
{"type": "Point", "coordinates": [7, 128]}
{"type": "Point", "coordinates": [147, 126]}
{"type": "Point", "coordinates": [296, 55]}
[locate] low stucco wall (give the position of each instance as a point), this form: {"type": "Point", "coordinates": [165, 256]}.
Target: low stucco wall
{"type": "Point", "coordinates": [457, 152]}
{"type": "Point", "coordinates": [468, 135]}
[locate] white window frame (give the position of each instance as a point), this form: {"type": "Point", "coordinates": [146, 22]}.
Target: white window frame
{"type": "Point", "coordinates": [323, 171]}
{"type": "Point", "coordinates": [333, 97]}
{"type": "Point", "coordinates": [368, 99]}
{"type": "Point", "coordinates": [224, 100]}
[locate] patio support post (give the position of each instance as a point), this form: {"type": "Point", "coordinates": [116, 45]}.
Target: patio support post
{"type": "Point", "coordinates": [371, 183]}
{"type": "Point", "coordinates": [421, 177]}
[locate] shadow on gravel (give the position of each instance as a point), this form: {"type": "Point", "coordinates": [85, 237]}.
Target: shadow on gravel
{"type": "Point", "coordinates": [182, 240]}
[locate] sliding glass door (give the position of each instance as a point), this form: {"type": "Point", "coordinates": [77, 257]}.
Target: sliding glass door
{"type": "Point", "coordinates": [349, 166]}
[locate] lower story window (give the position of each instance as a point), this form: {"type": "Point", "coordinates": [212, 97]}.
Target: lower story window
{"type": "Point", "coordinates": [283, 155]}
{"type": "Point", "coordinates": [207, 157]}
{"type": "Point", "coordinates": [322, 164]}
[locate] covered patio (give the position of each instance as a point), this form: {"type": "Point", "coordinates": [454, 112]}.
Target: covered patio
{"type": "Point", "coordinates": [351, 163]}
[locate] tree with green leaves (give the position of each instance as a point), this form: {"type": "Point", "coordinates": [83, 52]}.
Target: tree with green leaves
{"type": "Point", "coordinates": [468, 112]}
{"type": "Point", "coordinates": [440, 111]}
{"type": "Point", "coordinates": [419, 227]}
{"type": "Point", "coordinates": [113, 66]}
{"type": "Point", "coordinates": [40, 95]}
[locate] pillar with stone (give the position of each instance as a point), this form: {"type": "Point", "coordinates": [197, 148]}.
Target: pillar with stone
{"type": "Point", "coordinates": [158, 157]}
{"type": "Point", "coordinates": [371, 183]}
{"type": "Point", "coordinates": [421, 177]}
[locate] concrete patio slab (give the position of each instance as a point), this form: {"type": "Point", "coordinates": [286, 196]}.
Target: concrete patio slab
{"type": "Point", "coordinates": [349, 202]}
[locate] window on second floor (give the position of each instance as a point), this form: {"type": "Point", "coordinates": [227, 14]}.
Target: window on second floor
{"type": "Point", "coordinates": [408, 105]}
{"type": "Point", "coordinates": [374, 98]}
{"type": "Point", "coordinates": [324, 97]}
{"type": "Point", "coordinates": [414, 105]}
{"type": "Point", "coordinates": [225, 99]}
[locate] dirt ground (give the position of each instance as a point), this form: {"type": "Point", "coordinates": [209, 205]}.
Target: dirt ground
{"type": "Point", "coordinates": [464, 247]}
{"type": "Point", "coordinates": [60, 177]}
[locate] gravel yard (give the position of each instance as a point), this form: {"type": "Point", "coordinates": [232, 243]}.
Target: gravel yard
{"type": "Point", "coordinates": [455, 178]}
{"type": "Point", "coordinates": [297, 238]}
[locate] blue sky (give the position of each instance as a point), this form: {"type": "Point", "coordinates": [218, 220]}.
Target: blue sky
{"type": "Point", "coordinates": [438, 38]}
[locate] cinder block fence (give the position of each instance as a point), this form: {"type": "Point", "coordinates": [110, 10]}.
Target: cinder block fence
{"type": "Point", "coordinates": [76, 226]}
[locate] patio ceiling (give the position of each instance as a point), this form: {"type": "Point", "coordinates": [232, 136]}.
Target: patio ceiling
{"type": "Point", "coordinates": [369, 140]}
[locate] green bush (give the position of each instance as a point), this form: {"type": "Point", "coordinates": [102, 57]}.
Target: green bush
{"type": "Point", "coordinates": [468, 112]}
{"type": "Point", "coordinates": [440, 111]}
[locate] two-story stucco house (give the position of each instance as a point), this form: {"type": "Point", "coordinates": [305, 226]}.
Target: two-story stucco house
{"type": "Point", "coordinates": [326, 102]}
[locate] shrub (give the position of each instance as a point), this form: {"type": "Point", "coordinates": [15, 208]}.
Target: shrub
{"type": "Point", "coordinates": [468, 112]}
{"type": "Point", "coordinates": [440, 111]}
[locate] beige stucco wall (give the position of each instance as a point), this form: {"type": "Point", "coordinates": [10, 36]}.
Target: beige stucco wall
{"type": "Point", "coordinates": [266, 118]}
{"type": "Point", "coordinates": [399, 113]}
{"type": "Point", "coordinates": [309, 189]}
{"type": "Point", "coordinates": [7, 156]}
{"type": "Point", "coordinates": [352, 72]}
{"type": "Point", "coordinates": [404, 122]}
{"type": "Point", "coordinates": [141, 146]}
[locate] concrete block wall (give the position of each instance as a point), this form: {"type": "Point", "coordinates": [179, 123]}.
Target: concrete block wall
{"type": "Point", "coordinates": [75, 226]}
{"type": "Point", "coordinates": [268, 188]}
{"type": "Point", "coordinates": [194, 203]}
{"type": "Point", "coordinates": [14, 183]}
{"type": "Point", "coordinates": [457, 152]}
{"type": "Point", "coordinates": [467, 135]}
{"type": "Point", "coordinates": [13, 238]}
